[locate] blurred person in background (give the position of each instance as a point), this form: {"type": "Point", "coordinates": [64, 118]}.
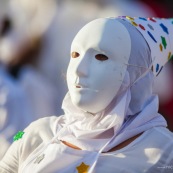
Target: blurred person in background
{"type": "Point", "coordinates": [24, 24]}
{"type": "Point", "coordinates": [25, 94]}
{"type": "Point", "coordinates": [15, 113]}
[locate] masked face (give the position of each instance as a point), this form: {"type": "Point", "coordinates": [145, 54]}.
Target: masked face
{"type": "Point", "coordinates": [97, 67]}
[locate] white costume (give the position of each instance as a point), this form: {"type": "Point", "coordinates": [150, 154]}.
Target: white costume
{"type": "Point", "coordinates": [110, 100]}
{"type": "Point", "coordinates": [44, 154]}
{"type": "Point", "coordinates": [30, 96]}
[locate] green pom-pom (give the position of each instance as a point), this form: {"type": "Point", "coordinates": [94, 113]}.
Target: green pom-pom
{"type": "Point", "coordinates": [18, 135]}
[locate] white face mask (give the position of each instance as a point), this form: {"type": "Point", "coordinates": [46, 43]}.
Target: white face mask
{"type": "Point", "coordinates": [97, 67]}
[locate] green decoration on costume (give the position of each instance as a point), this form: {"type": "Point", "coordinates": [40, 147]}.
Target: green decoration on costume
{"type": "Point", "coordinates": [18, 136]}
{"type": "Point", "coordinates": [164, 42]}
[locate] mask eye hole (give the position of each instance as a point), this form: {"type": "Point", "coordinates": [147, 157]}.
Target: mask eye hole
{"type": "Point", "coordinates": [75, 54]}
{"type": "Point", "coordinates": [101, 57]}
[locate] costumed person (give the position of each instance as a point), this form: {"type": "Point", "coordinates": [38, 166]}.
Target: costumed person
{"type": "Point", "coordinates": [20, 48]}
{"type": "Point", "coordinates": [25, 94]}
{"type": "Point", "coordinates": [111, 121]}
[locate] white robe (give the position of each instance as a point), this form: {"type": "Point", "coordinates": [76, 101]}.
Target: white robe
{"type": "Point", "coordinates": [38, 151]}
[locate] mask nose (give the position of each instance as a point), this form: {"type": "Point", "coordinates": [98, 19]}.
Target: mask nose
{"type": "Point", "coordinates": [82, 67]}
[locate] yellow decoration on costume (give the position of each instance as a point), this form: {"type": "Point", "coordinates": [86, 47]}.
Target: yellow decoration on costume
{"type": "Point", "coordinates": [161, 48]}
{"type": "Point", "coordinates": [82, 168]}
{"type": "Point", "coordinates": [129, 18]}
{"type": "Point", "coordinates": [169, 55]}
{"type": "Point", "coordinates": [133, 23]}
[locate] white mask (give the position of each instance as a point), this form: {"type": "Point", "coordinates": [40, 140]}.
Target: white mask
{"type": "Point", "coordinates": [99, 54]}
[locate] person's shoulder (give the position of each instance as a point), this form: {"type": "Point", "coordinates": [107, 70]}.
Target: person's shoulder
{"type": "Point", "coordinates": [38, 133]}
{"type": "Point", "coordinates": [43, 127]}
{"type": "Point", "coordinates": [43, 121]}
{"type": "Point", "coordinates": [160, 136]}
{"type": "Point", "coordinates": [164, 132]}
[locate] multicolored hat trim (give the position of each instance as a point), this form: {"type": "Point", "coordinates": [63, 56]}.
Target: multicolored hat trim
{"type": "Point", "coordinates": [159, 35]}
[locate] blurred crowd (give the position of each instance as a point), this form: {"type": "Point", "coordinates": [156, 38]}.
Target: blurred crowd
{"type": "Point", "coordinates": [35, 39]}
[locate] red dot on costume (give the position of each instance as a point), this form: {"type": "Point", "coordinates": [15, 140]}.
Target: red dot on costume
{"type": "Point", "coordinates": [152, 19]}
{"type": "Point", "coordinates": [142, 27]}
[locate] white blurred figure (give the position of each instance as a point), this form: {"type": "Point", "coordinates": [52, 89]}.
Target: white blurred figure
{"type": "Point", "coordinates": [25, 93]}
{"type": "Point", "coordinates": [15, 114]}
{"type": "Point", "coordinates": [20, 47]}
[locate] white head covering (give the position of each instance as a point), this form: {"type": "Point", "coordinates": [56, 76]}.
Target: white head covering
{"type": "Point", "coordinates": [133, 111]}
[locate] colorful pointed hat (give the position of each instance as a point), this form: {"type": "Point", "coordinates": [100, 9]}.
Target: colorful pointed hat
{"type": "Point", "coordinates": [159, 35]}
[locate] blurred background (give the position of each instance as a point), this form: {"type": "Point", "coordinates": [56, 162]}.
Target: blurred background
{"type": "Point", "coordinates": [35, 39]}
